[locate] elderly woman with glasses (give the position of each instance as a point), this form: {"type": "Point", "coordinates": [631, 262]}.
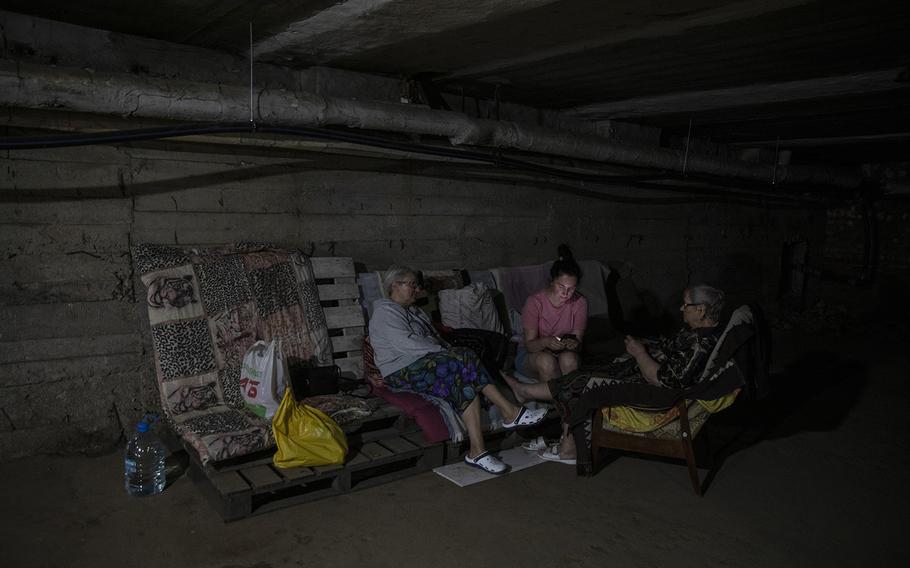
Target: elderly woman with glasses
{"type": "Point", "coordinates": [412, 357]}
{"type": "Point", "coordinates": [652, 373]}
{"type": "Point", "coordinates": [554, 321]}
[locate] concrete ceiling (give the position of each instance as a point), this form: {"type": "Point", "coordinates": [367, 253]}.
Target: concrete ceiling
{"type": "Point", "coordinates": [829, 80]}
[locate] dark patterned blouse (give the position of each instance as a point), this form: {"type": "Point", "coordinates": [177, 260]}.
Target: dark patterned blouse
{"type": "Point", "coordinates": [682, 358]}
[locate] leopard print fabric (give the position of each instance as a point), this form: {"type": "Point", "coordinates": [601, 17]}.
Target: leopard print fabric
{"type": "Point", "coordinates": [149, 258]}
{"type": "Point", "coordinates": [184, 348]}
{"type": "Point", "coordinates": [219, 422]}
{"type": "Point", "coordinates": [229, 377]}
{"type": "Point", "coordinates": [223, 284]}
{"type": "Point", "coordinates": [274, 288]}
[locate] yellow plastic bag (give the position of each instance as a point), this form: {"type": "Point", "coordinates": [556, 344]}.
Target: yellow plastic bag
{"type": "Point", "coordinates": [306, 436]}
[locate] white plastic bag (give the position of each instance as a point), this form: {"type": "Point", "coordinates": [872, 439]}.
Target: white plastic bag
{"type": "Point", "coordinates": [263, 377]}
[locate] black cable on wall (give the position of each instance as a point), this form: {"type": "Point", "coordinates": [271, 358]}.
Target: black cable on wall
{"type": "Point", "coordinates": [749, 190]}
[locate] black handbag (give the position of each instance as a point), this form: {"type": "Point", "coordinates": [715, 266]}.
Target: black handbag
{"type": "Point", "coordinates": [490, 347]}
{"type": "Point", "coordinates": [313, 381]}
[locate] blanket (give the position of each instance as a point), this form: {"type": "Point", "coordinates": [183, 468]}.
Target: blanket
{"type": "Point", "coordinates": [206, 308]}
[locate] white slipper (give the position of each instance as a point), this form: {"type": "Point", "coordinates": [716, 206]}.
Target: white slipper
{"type": "Point", "coordinates": [538, 443]}
{"type": "Point", "coordinates": [487, 462]}
{"type": "Point", "coordinates": [552, 454]}
{"type": "Point", "coordinates": [526, 417]}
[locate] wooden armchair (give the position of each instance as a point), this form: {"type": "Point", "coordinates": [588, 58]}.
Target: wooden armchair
{"type": "Point", "coordinates": [738, 356]}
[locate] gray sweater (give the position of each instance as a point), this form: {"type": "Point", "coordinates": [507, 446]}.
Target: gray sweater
{"type": "Point", "coordinates": [400, 335]}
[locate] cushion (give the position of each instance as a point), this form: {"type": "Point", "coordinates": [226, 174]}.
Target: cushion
{"type": "Point", "coordinates": [697, 418]}
{"type": "Point", "coordinates": [665, 422]}
{"type": "Point", "coordinates": [422, 411]}
{"type": "Point", "coordinates": [433, 281]}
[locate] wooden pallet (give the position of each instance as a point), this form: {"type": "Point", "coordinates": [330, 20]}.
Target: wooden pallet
{"type": "Point", "coordinates": [242, 490]}
{"type": "Point", "coordinates": [376, 455]}
{"type": "Point", "coordinates": [340, 299]}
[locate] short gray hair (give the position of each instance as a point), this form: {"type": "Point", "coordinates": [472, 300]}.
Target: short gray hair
{"type": "Point", "coordinates": [710, 297]}
{"type": "Point", "coordinates": [394, 274]}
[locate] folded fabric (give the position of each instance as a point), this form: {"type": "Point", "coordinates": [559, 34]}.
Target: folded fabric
{"type": "Point", "coordinates": [483, 276]}
{"type": "Point", "coordinates": [370, 284]}
{"type": "Point", "coordinates": [343, 408]}
{"type": "Point", "coordinates": [592, 285]}
{"type": "Point", "coordinates": [518, 282]}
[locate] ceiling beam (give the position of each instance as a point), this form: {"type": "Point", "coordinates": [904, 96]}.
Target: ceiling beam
{"type": "Point", "coordinates": [355, 26]}
{"type": "Point", "coordinates": [751, 95]}
{"type": "Point", "coordinates": [660, 28]}
{"type": "Point", "coordinates": [826, 141]}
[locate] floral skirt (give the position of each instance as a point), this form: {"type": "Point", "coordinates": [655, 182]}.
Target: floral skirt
{"type": "Point", "coordinates": [455, 375]}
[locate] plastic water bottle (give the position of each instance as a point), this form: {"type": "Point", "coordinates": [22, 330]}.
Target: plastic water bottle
{"type": "Point", "coordinates": [144, 462]}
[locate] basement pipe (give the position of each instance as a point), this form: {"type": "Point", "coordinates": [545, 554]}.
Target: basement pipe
{"type": "Point", "coordinates": [36, 86]}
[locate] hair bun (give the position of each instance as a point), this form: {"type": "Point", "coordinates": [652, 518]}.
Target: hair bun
{"type": "Point", "coordinates": [563, 252]}
{"type": "Point", "coordinates": [565, 263]}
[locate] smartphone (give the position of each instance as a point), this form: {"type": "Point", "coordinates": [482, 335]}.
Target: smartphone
{"type": "Point", "coordinates": [567, 336]}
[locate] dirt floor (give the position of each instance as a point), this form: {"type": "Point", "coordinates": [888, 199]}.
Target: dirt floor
{"type": "Point", "coordinates": [814, 476]}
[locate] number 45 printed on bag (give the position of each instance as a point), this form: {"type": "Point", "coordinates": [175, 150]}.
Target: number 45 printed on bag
{"type": "Point", "coordinates": [263, 377]}
{"type": "Point", "coordinates": [248, 384]}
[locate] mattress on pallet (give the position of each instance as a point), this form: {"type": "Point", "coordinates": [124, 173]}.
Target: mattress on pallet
{"type": "Point", "coordinates": [206, 307]}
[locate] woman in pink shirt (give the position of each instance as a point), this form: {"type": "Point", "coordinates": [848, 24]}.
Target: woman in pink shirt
{"type": "Point", "coordinates": [554, 321]}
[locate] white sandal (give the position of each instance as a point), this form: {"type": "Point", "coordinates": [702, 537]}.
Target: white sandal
{"type": "Point", "coordinates": [526, 417]}
{"type": "Point", "coordinates": [552, 454]}
{"type": "Point", "coordinates": [487, 462]}
{"type": "Point", "coordinates": [538, 443]}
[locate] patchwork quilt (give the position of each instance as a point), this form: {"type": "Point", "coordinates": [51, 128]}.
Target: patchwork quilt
{"type": "Point", "coordinates": [206, 308]}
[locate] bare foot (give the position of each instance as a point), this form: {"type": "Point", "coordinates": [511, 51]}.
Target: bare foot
{"type": "Point", "coordinates": [516, 386]}
{"type": "Point", "coordinates": [567, 448]}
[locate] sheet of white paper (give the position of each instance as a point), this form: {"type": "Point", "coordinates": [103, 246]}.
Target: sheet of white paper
{"type": "Point", "coordinates": [462, 474]}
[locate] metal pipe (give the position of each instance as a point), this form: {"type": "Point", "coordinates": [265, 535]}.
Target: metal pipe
{"type": "Point", "coordinates": [36, 86]}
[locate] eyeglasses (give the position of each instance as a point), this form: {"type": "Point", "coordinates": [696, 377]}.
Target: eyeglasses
{"type": "Point", "coordinates": [408, 283]}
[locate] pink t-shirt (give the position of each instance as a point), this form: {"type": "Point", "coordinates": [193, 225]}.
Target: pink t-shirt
{"type": "Point", "coordinates": [540, 314]}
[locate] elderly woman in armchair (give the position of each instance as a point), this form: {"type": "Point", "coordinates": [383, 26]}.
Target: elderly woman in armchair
{"type": "Point", "coordinates": [412, 357]}
{"type": "Point", "coordinates": [652, 373]}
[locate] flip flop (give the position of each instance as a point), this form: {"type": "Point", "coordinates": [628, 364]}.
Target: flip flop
{"type": "Point", "coordinates": [538, 443]}
{"type": "Point", "coordinates": [552, 454]}
{"type": "Point", "coordinates": [526, 417]}
{"type": "Point", "coordinates": [487, 462]}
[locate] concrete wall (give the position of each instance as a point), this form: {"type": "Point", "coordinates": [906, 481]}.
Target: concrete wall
{"type": "Point", "coordinates": [75, 365]}
{"type": "Point", "coordinates": [885, 294]}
